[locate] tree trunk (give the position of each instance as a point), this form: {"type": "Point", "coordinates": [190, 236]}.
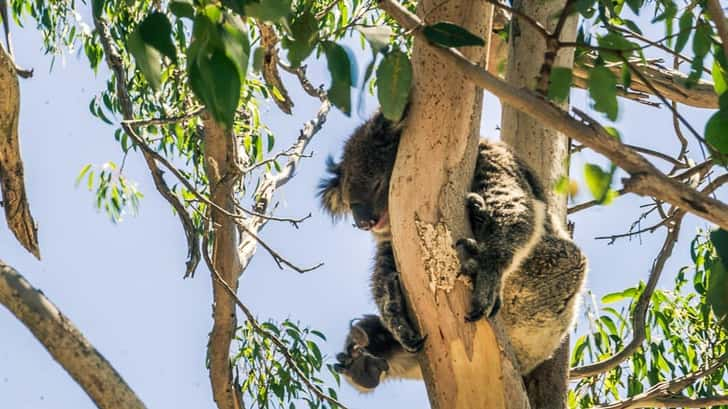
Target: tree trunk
{"type": "Point", "coordinates": [547, 152]}
{"type": "Point", "coordinates": [464, 365]}
{"type": "Point", "coordinates": [222, 171]}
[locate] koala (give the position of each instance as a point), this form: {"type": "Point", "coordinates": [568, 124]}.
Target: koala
{"type": "Point", "coordinates": [523, 266]}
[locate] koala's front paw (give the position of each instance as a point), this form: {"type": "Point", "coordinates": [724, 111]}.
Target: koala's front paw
{"type": "Point", "coordinates": [485, 298]}
{"type": "Point", "coordinates": [409, 338]}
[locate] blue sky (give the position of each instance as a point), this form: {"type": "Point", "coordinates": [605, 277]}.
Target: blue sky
{"type": "Point", "coordinates": [122, 284]}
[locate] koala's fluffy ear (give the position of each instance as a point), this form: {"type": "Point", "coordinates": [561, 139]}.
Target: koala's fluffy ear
{"type": "Point", "coordinates": [359, 336]}
{"type": "Point", "coordinates": [330, 190]}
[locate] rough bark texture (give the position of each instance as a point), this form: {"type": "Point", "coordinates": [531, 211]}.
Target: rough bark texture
{"type": "Point", "coordinates": [463, 364]}
{"type": "Point", "coordinates": [547, 152]}
{"type": "Point", "coordinates": [220, 166]}
{"type": "Point", "coordinates": [12, 184]}
{"type": "Point", "coordinates": [65, 342]}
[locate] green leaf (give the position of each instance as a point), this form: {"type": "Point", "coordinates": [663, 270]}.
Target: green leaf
{"type": "Point", "coordinates": [685, 26]}
{"type": "Point", "coordinates": [83, 172]}
{"type": "Point", "coordinates": [97, 8]}
{"type": "Point", "coordinates": [156, 31]}
{"type": "Point", "coordinates": [305, 35]}
{"type": "Point", "coordinates": [559, 83]}
{"type": "Point", "coordinates": [720, 84]}
{"type": "Point", "coordinates": [340, 95]}
{"type": "Point", "coordinates": [342, 73]}
{"type": "Point", "coordinates": [719, 238]}
{"type": "Point", "coordinates": [217, 83]}
{"type": "Point", "coordinates": [617, 42]}
{"type": "Point", "coordinates": [716, 131]}
{"type": "Point", "coordinates": [394, 78]}
{"type": "Point", "coordinates": [182, 8]}
{"type": "Point", "coordinates": [717, 294]}
{"type": "Point", "coordinates": [603, 91]}
{"type": "Point", "coordinates": [147, 58]}
{"type": "Point", "coordinates": [451, 35]}
{"type": "Point", "coordinates": [377, 36]}
{"type": "Point", "coordinates": [598, 181]}
{"type": "Point", "coordinates": [701, 40]}
{"type": "Point", "coordinates": [258, 57]}
{"type": "Point", "coordinates": [268, 10]}
{"type": "Point", "coordinates": [234, 38]}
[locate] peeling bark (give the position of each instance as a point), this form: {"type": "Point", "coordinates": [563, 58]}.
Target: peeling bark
{"type": "Point", "coordinates": [65, 342]}
{"type": "Point", "coordinates": [12, 183]}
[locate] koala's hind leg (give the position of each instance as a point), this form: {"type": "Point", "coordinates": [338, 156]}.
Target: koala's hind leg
{"type": "Point", "coordinates": [540, 299]}
{"type": "Point", "coordinates": [390, 299]}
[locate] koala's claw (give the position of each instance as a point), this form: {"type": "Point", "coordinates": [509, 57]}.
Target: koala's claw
{"type": "Point", "coordinates": [475, 201]}
{"type": "Point", "coordinates": [469, 245]}
{"type": "Point", "coordinates": [414, 345]}
{"type": "Point", "coordinates": [479, 308]}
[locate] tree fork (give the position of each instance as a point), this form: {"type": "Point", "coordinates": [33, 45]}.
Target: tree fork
{"type": "Point", "coordinates": [464, 365]}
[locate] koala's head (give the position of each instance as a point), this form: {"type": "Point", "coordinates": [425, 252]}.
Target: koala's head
{"type": "Point", "coordinates": [366, 350]}
{"type": "Point", "coordinates": [359, 183]}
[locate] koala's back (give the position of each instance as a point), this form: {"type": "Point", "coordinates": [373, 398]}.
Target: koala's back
{"type": "Point", "coordinates": [540, 298]}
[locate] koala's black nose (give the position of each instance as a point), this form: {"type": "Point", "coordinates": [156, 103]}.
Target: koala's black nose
{"type": "Point", "coordinates": [364, 217]}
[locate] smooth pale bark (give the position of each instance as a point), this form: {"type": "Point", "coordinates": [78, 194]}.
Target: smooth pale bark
{"type": "Point", "coordinates": [65, 343]}
{"type": "Point", "coordinates": [463, 364]}
{"type": "Point", "coordinates": [221, 167]}
{"type": "Point", "coordinates": [546, 151]}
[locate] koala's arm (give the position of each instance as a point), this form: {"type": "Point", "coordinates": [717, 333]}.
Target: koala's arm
{"type": "Point", "coordinates": [372, 355]}
{"type": "Point", "coordinates": [390, 299]}
{"type": "Point", "coordinates": [507, 214]}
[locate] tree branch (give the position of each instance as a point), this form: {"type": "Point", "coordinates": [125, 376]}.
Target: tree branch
{"type": "Point", "coordinates": [93, 373]}
{"type": "Point", "coordinates": [12, 181]}
{"type": "Point", "coordinates": [115, 63]}
{"type": "Point", "coordinates": [667, 394]}
{"type": "Point", "coordinates": [645, 179]}
{"type": "Point", "coordinates": [639, 316]}
{"type": "Point", "coordinates": [718, 17]}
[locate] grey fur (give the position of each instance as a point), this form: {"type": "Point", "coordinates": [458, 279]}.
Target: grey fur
{"type": "Point", "coordinates": [523, 266]}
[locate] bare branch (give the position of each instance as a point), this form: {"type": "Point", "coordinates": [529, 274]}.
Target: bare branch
{"type": "Point", "coordinates": [639, 316]}
{"type": "Point", "coordinates": [269, 42]}
{"type": "Point", "coordinates": [670, 83]}
{"type": "Point", "coordinates": [114, 61]}
{"type": "Point", "coordinates": [667, 394]}
{"type": "Point", "coordinates": [65, 343]}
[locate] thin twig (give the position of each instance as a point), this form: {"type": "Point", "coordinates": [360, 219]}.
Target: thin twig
{"type": "Point", "coordinates": [664, 100]}
{"type": "Point", "coordinates": [164, 121]}
{"type": "Point", "coordinates": [114, 61]}
{"type": "Point", "coordinates": [525, 17]}
{"type": "Point", "coordinates": [267, 334]}
{"type": "Point", "coordinates": [639, 316]}
{"type": "Point", "coordinates": [666, 394]}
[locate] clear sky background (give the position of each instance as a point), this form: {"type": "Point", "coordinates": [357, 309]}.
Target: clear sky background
{"type": "Point", "coordinates": [122, 284]}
